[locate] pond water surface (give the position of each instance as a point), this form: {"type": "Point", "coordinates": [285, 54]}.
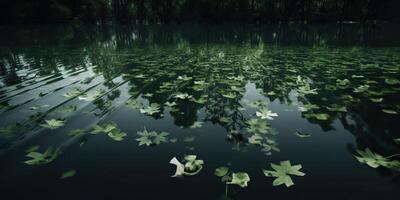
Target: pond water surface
{"type": "Point", "coordinates": [99, 112]}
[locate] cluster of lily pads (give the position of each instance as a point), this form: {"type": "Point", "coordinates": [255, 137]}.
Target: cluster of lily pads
{"type": "Point", "coordinates": [216, 81]}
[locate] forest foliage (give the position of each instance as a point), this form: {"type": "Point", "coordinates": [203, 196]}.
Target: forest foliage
{"type": "Point", "coordinates": [198, 11]}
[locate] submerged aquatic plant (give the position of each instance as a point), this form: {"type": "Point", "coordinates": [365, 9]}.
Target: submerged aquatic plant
{"type": "Point", "coordinates": [43, 158]}
{"type": "Point", "coordinates": [9, 130]}
{"type": "Point", "coordinates": [149, 138]}
{"type": "Point", "coordinates": [282, 173]}
{"type": "Point", "coordinates": [191, 167]}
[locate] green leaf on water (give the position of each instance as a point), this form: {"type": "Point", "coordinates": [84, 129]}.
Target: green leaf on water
{"type": "Point", "coordinates": [392, 81]}
{"type": "Point", "coordinates": [318, 116]}
{"type": "Point", "coordinates": [42, 158]}
{"type": "Point", "coordinates": [183, 96]}
{"type": "Point", "coordinates": [376, 100]}
{"type": "Point", "coordinates": [197, 124]}
{"type": "Point", "coordinates": [170, 104]}
{"type": "Point", "coordinates": [306, 89]}
{"type": "Point", "coordinates": [91, 96]}
{"type": "Point", "coordinates": [37, 107]}
{"type": "Point", "coordinates": [265, 113]}
{"type": "Point", "coordinates": [257, 126]}
{"type": "Point", "coordinates": [134, 104]}
{"type": "Point", "coordinates": [375, 160]}
{"type": "Point", "coordinates": [104, 128]}
{"type": "Point", "coordinates": [361, 88]}
{"type": "Point", "coordinates": [152, 109]}
{"type": "Point", "coordinates": [256, 104]}
{"type": "Point", "coordinates": [116, 135]}
{"type": "Point", "coordinates": [255, 139]}
{"type": "Point", "coordinates": [282, 173]}
{"type": "Point", "coordinates": [67, 109]}
{"type": "Point", "coordinates": [230, 95]}
{"type": "Point", "coordinates": [111, 129]}
{"type": "Point", "coordinates": [67, 174]}
{"type": "Point", "coordinates": [241, 179]}
{"type": "Point", "coordinates": [337, 108]}
{"type": "Point", "coordinates": [388, 111]}
{"type": "Point", "coordinates": [151, 137]}
{"type": "Point", "coordinates": [221, 171]}
{"type": "Point", "coordinates": [53, 123]}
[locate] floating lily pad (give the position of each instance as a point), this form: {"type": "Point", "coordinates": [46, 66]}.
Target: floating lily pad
{"type": "Point", "coordinates": [149, 138]}
{"type": "Point", "coordinates": [240, 178]}
{"type": "Point", "coordinates": [43, 158]}
{"type": "Point", "coordinates": [53, 123]}
{"type": "Point", "coordinates": [152, 109]}
{"type": "Point", "coordinates": [388, 111]}
{"type": "Point", "coordinates": [282, 173]}
{"type": "Point", "coordinates": [375, 160]}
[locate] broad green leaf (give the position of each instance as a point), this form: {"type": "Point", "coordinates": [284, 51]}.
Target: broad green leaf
{"type": "Point", "coordinates": [149, 138]}
{"type": "Point", "coordinates": [221, 171]}
{"type": "Point", "coordinates": [42, 158]}
{"type": "Point", "coordinates": [241, 179]}
{"type": "Point", "coordinates": [282, 173]}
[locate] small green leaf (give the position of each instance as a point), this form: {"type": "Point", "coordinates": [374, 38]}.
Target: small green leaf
{"type": "Point", "coordinates": [388, 111]}
{"type": "Point", "coordinates": [221, 171]}
{"type": "Point", "coordinates": [67, 174]}
{"type": "Point", "coordinates": [241, 179]}
{"type": "Point", "coordinates": [53, 123]}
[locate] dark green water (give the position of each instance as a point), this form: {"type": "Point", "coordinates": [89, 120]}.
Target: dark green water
{"type": "Point", "coordinates": [235, 97]}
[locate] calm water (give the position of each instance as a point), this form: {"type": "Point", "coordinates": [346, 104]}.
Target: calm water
{"type": "Point", "coordinates": [235, 97]}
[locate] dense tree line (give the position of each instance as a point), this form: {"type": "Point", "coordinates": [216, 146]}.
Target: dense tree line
{"type": "Point", "coordinates": [200, 11]}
